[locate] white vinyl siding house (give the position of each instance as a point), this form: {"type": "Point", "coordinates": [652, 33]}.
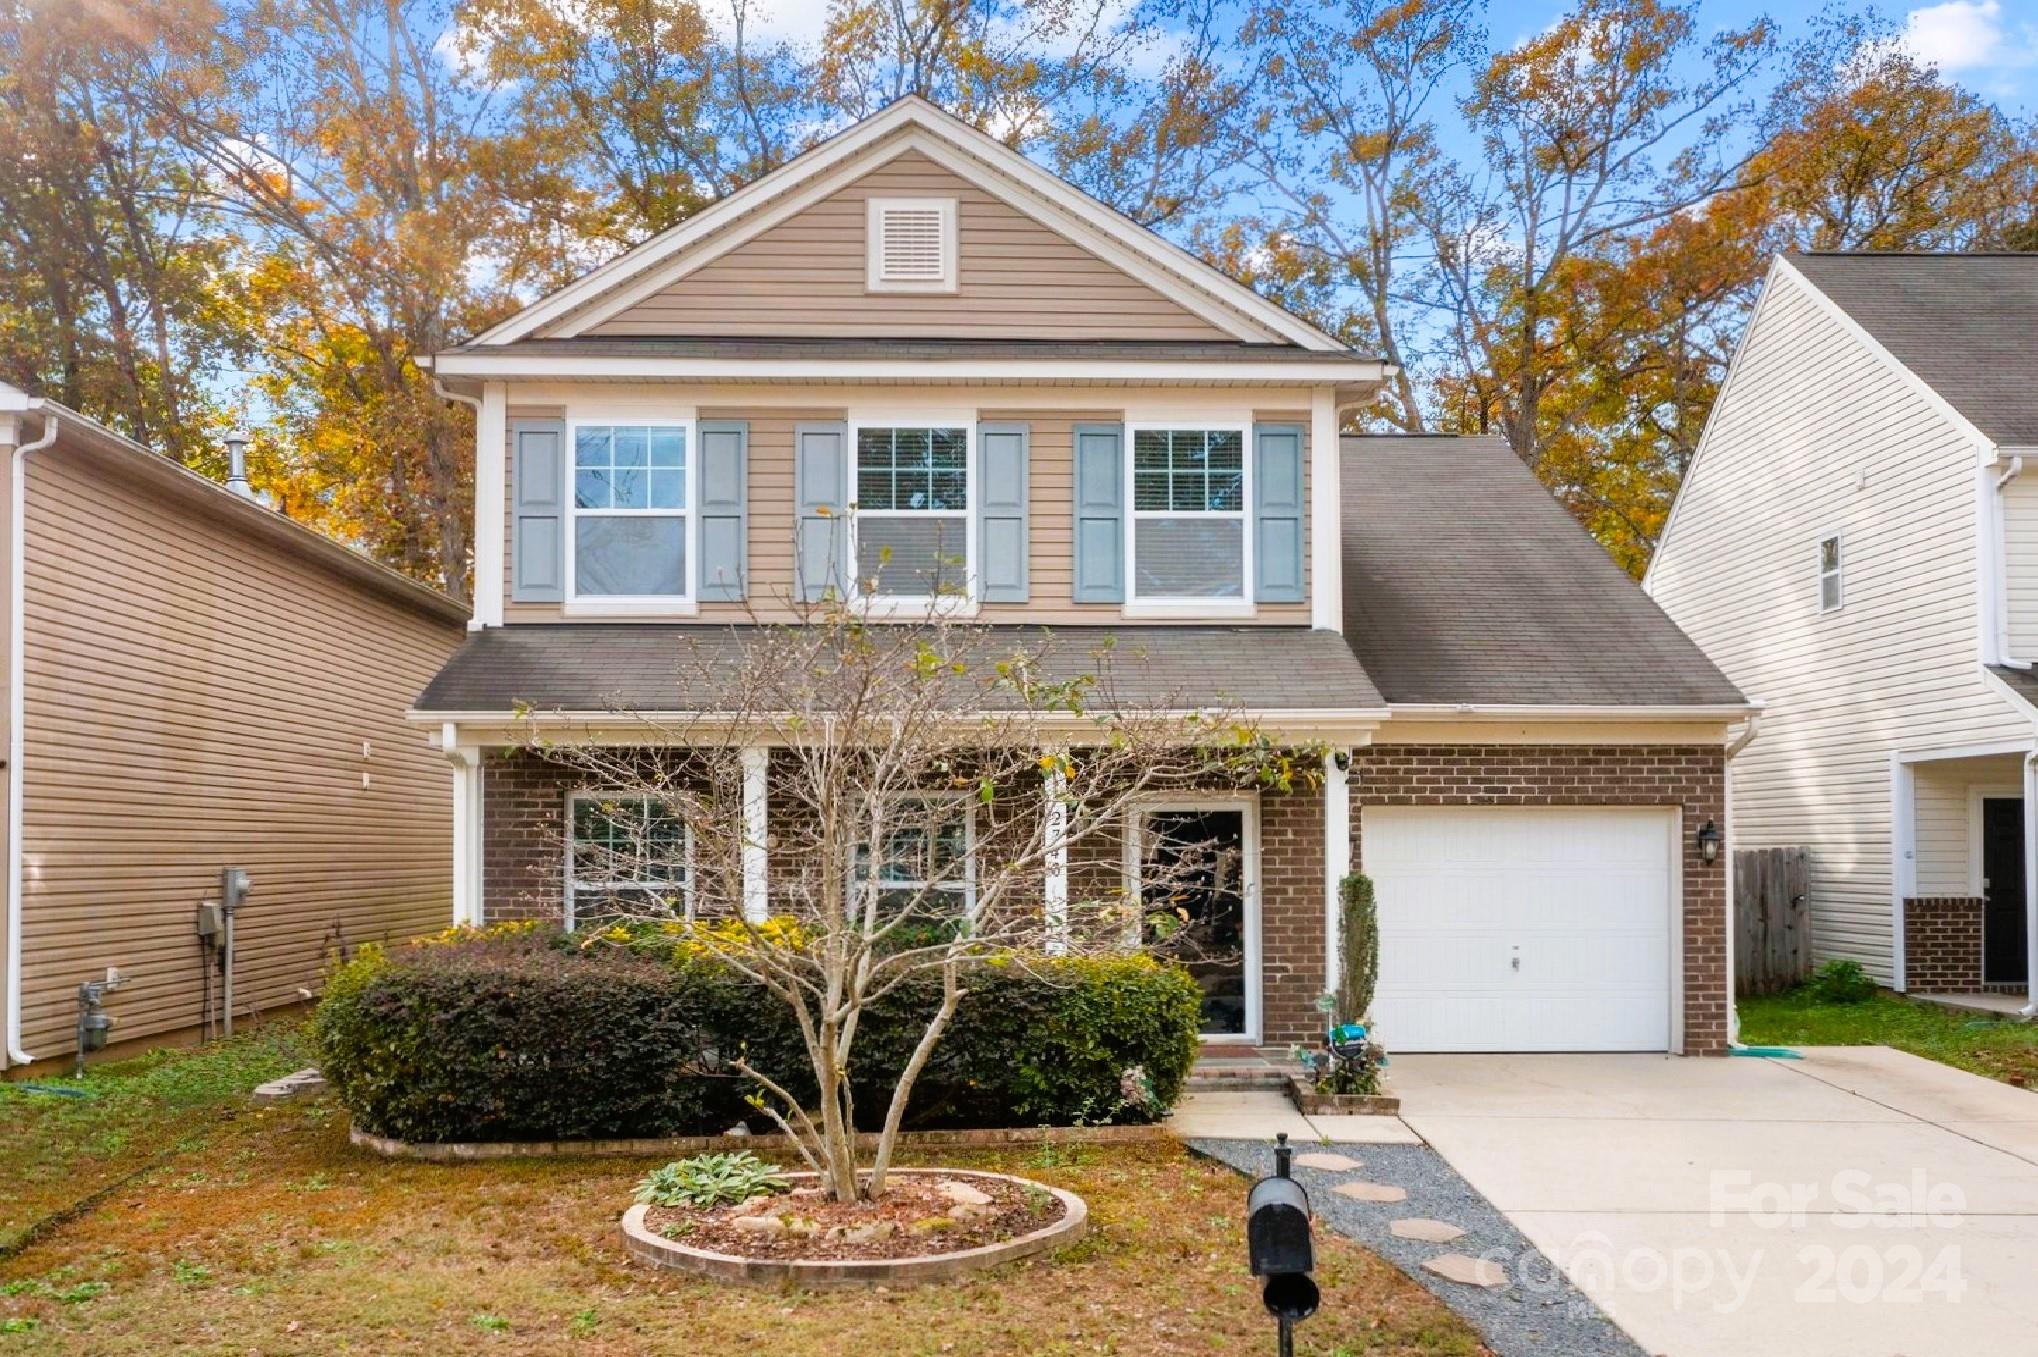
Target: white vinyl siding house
{"type": "Point", "coordinates": [1821, 433]}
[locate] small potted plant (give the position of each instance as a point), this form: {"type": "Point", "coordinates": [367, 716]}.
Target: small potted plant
{"type": "Point", "coordinates": [1346, 1074]}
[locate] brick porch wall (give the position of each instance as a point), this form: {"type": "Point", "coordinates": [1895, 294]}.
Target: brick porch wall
{"type": "Point", "coordinates": [1292, 901]}
{"type": "Point", "coordinates": [1692, 778]}
{"type": "Point", "coordinates": [523, 824]}
{"type": "Point", "coordinates": [1942, 943]}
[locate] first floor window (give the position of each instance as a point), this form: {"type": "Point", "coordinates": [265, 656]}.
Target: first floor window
{"type": "Point", "coordinates": [630, 856]}
{"type": "Point", "coordinates": [912, 511]}
{"type": "Point", "coordinates": [629, 511]}
{"type": "Point", "coordinates": [1188, 509]}
{"type": "Point", "coordinates": [923, 863]}
{"type": "Point", "coordinates": [1830, 596]}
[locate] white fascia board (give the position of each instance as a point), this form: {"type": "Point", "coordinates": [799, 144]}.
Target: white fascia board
{"type": "Point", "coordinates": [1509, 711]}
{"type": "Point", "coordinates": [958, 371]}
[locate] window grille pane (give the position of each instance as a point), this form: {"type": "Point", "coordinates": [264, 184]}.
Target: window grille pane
{"type": "Point", "coordinates": [1829, 554]}
{"type": "Point", "coordinates": [1829, 592]}
{"type": "Point", "coordinates": [1189, 558]}
{"type": "Point", "coordinates": [629, 557]}
{"type": "Point", "coordinates": [917, 557]}
{"type": "Point", "coordinates": [591, 447]}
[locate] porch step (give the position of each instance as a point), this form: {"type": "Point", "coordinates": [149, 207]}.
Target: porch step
{"type": "Point", "coordinates": [1218, 1073]}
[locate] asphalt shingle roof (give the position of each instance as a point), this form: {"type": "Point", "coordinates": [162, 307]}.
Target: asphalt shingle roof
{"type": "Point", "coordinates": [1464, 581]}
{"type": "Point", "coordinates": [1964, 323]}
{"type": "Point", "coordinates": [631, 667]}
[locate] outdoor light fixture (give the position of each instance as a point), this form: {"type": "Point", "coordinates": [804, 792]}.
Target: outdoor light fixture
{"type": "Point", "coordinates": [1709, 844]}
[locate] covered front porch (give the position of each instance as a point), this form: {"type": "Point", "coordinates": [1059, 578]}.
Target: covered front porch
{"type": "Point", "coordinates": [1966, 876]}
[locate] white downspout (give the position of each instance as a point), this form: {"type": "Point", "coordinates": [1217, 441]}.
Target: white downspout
{"type": "Point", "coordinates": [1999, 569]}
{"type": "Point", "coordinates": [17, 710]}
{"type": "Point", "coordinates": [2031, 884]}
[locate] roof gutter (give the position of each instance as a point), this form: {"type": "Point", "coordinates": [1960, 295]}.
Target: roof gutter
{"type": "Point", "coordinates": [1998, 565]}
{"type": "Point", "coordinates": [1533, 711]}
{"type": "Point", "coordinates": [17, 712]}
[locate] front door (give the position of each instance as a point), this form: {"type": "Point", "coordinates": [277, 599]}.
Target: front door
{"type": "Point", "coordinates": [1196, 887]}
{"type": "Point", "coordinates": [2004, 960]}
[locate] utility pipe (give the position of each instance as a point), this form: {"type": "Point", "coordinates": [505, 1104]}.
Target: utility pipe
{"type": "Point", "coordinates": [2030, 1008]}
{"type": "Point", "coordinates": [1999, 569]}
{"type": "Point", "coordinates": [17, 710]}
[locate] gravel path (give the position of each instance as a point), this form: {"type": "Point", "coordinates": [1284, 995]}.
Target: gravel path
{"type": "Point", "coordinates": [1537, 1314]}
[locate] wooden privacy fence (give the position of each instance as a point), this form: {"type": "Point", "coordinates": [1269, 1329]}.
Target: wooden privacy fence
{"type": "Point", "coordinates": [1772, 921]}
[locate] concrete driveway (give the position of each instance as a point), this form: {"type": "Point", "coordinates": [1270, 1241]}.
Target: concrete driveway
{"type": "Point", "coordinates": [1860, 1202]}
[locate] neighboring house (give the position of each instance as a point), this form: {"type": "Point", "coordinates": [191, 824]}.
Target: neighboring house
{"type": "Point", "coordinates": [196, 683]}
{"type": "Point", "coordinates": [1856, 545]}
{"type": "Point", "coordinates": [912, 351]}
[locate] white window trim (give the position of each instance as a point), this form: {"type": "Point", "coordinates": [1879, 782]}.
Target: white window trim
{"type": "Point", "coordinates": [873, 235]}
{"type": "Point", "coordinates": [967, 888]}
{"type": "Point", "coordinates": [1243, 606]}
{"type": "Point", "coordinates": [635, 605]}
{"type": "Point", "coordinates": [1838, 573]}
{"type": "Point", "coordinates": [572, 884]}
{"type": "Point", "coordinates": [1248, 806]}
{"type": "Point", "coordinates": [964, 604]}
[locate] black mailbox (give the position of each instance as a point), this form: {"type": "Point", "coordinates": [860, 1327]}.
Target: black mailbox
{"type": "Point", "coordinates": [1277, 1228]}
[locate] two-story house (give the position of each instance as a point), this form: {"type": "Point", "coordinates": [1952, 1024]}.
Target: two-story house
{"type": "Point", "coordinates": [912, 366]}
{"type": "Point", "coordinates": [1856, 545]}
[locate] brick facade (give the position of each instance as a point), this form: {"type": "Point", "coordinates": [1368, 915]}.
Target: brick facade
{"type": "Point", "coordinates": [524, 800]}
{"type": "Point", "coordinates": [1942, 943]}
{"type": "Point", "coordinates": [1692, 778]}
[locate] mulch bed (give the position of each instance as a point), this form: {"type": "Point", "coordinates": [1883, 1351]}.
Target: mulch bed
{"type": "Point", "coordinates": [917, 1216]}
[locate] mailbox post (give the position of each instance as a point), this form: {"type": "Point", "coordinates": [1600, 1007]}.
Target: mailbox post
{"type": "Point", "coordinates": [1279, 1246]}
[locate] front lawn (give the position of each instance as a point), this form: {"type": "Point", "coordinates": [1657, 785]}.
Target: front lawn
{"type": "Point", "coordinates": [2001, 1050]}
{"type": "Point", "coordinates": [272, 1234]}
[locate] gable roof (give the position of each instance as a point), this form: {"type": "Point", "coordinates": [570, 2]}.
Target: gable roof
{"type": "Point", "coordinates": [1962, 323]}
{"type": "Point", "coordinates": [911, 123]}
{"type": "Point", "coordinates": [1465, 582]}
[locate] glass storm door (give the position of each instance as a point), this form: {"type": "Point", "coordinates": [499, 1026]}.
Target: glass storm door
{"type": "Point", "coordinates": [1195, 884]}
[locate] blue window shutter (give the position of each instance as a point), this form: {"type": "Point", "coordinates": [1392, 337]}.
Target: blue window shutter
{"type": "Point", "coordinates": [1100, 513]}
{"type": "Point", "coordinates": [821, 489]}
{"type": "Point", "coordinates": [724, 510]}
{"type": "Point", "coordinates": [1002, 480]}
{"type": "Point", "coordinates": [1279, 512]}
{"type": "Point", "coordinates": [537, 510]}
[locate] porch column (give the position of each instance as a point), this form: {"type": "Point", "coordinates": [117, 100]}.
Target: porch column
{"type": "Point", "coordinates": [1055, 891]}
{"type": "Point", "coordinates": [2030, 884]}
{"type": "Point", "coordinates": [1337, 854]}
{"type": "Point", "coordinates": [466, 761]}
{"type": "Point", "coordinates": [756, 832]}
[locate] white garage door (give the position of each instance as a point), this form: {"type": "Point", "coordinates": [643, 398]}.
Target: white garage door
{"type": "Point", "coordinates": [1513, 929]}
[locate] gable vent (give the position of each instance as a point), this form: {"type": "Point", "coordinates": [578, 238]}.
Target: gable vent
{"type": "Point", "coordinates": [912, 245]}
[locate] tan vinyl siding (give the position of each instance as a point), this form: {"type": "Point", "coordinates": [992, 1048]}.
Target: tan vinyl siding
{"type": "Point", "coordinates": [1817, 434]}
{"type": "Point", "coordinates": [2020, 560]}
{"type": "Point", "coordinates": [1050, 520]}
{"type": "Point", "coordinates": [196, 698]}
{"type": "Point", "coordinates": [1016, 279]}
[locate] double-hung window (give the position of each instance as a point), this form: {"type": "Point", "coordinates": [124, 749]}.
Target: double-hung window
{"type": "Point", "coordinates": [1189, 538]}
{"type": "Point", "coordinates": [924, 865]}
{"type": "Point", "coordinates": [629, 856]}
{"type": "Point", "coordinates": [1831, 592]}
{"type": "Point", "coordinates": [912, 522]}
{"type": "Point", "coordinates": [631, 499]}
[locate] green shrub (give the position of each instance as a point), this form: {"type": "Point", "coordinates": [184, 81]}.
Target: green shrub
{"type": "Point", "coordinates": [1841, 982]}
{"type": "Point", "coordinates": [711, 1180]}
{"type": "Point", "coordinates": [537, 1036]}
{"type": "Point", "coordinates": [1358, 949]}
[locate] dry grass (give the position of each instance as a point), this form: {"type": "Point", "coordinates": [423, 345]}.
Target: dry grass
{"type": "Point", "coordinates": [276, 1236]}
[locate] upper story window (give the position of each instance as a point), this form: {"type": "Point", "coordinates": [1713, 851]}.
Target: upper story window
{"type": "Point", "coordinates": [1831, 592]}
{"type": "Point", "coordinates": [630, 509]}
{"type": "Point", "coordinates": [911, 244]}
{"type": "Point", "coordinates": [630, 856]}
{"type": "Point", "coordinates": [912, 528]}
{"type": "Point", "coordinates": [1188, 529]}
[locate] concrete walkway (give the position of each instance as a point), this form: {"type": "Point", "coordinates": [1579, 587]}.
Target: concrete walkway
{"type": "Point", "coordinates": [1261, 1113]}
{"type": "Point", "coordinates": [1858, 1203]}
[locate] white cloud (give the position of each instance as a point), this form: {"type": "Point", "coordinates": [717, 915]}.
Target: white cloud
{"type": "Point", "coordinates": [800, 22]}
{"type": "Point", "coordinates": [1962, 35]}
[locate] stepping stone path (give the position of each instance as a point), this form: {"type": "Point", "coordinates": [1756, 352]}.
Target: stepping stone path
{"type": "Point", "coordinates": [1329, 1163]}
{"type": "Point", "coordinates": [1428, 1231]}
{"type": "Point", "coordinates": [1457, 1267]}
{"type": "Point", "coordinates": [1371, 1192]}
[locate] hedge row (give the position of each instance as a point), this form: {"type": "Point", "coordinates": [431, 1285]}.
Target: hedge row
{"type": "Point", "coordinates": [523, 1039]}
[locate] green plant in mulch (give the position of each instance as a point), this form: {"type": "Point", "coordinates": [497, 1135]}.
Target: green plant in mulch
{"type": "Point", "coordinates": [1351, 1061]}
{"type": "Point", "coordinates": [709, 1180]}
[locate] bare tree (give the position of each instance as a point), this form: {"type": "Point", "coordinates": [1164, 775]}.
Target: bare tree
{"type": "Point", "coordinates": [940, 797]}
